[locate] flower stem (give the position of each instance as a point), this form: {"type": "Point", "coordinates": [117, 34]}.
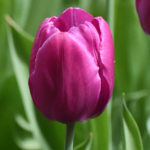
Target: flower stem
{"type": "Point", "coordinates": [69, 136]}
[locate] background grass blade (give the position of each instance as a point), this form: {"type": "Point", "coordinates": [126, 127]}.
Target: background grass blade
{"type": "Point", "coordinates": [100, 131]}
{"type": "Point", "coordinates": [132, 137]}
{"type": "Point", "coordinates": [86, 144]}
{"type": "Point", "coordinates": [21, 72]}
{"type": "Point", "coordinates": [22, 40]}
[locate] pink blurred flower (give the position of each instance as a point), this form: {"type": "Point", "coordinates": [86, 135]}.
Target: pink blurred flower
{"type": "Point", "coordinates": [72, 66]}
{"type": "Point", "coordinates": [143, 9]}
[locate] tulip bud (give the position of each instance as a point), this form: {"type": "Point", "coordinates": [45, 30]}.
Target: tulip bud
{"type": "Point", "coordinates": [72, 66]}
{"type": "Point", "coordinates": [143, 9]}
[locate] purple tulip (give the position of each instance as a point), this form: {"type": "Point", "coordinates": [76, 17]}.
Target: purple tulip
{"type": "Point", "coordinates": [143, 9]}
{"type": "Point", "coordinates": [72, 66]}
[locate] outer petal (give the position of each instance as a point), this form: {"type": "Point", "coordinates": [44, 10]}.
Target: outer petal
{"type": "Point", "coordinates": [66, 80]}
{"type": "Point", "coordinates": [89, 38]}
{"type": "Point", "coordinates": [106, 63]}
{"type": "Point", "coordinates": [72, 17]}
{"type": "Point", "coordinates": [143, 9]}
{"type": "Point", "coordinates": [106, 51]}
{"type": "Point", "coordinates": [45, 30]}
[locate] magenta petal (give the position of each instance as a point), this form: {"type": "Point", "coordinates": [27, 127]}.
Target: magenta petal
{"type": "Point", "coordinates": [89, 38]}
{"type": "Point", "coordinates": [106, 50]}
{"type": "Point", "coordinates": [143, 9]}
{"type": "Point", "coordinates": [106, 64]}
{"type": "Point", "coordinates": [72, 17]}
{"type": "Point", "coordinates": [45, 30]}
{"type": "Point", "coordinates": [65, 85]}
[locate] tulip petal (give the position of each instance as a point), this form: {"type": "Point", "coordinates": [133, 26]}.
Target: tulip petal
{"type": "Point", "coordinates": [70, 79]}
{"type": "Point", "coordinates": [72, 17]}
{"type": "Point", "coordinates": [88, 37]}
{"type": "Point", "coordinates": [143, 9]}
{"type": "Point", "coordinates": [106, 50]}
{"type": "Point", "coordinates": [107, 63]}
{"type": "Point", "coordinates": [45, 30]}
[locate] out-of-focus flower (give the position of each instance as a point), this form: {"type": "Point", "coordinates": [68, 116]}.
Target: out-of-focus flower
{"type": "Point", "coordinates": [72, 66]}
{"type": "Point", "coordinates": [143, 9]}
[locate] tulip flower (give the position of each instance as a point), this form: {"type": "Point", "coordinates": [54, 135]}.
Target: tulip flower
{"type": "Point", "coordinates": [143, 9]}
{"type": "Point", "coordinates": [72, 66]}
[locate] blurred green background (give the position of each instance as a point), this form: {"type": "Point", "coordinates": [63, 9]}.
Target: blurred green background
{"type": "Point", "coordinates": [23, 127]}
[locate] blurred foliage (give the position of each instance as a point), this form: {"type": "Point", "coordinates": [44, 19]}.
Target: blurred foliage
{"type": "Point", "coordinates": [23, 127]}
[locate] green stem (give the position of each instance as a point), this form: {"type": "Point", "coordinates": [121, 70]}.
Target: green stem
{"type": "Point", "coordinates": [69, 136]}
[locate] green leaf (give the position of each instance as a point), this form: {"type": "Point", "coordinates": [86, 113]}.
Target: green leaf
{"type": "Point", "coordinates": [95, 7]}
{"type": "Point", "coordinates": [23, 7]}
{"type": "Point", "coordinates": [22, 40]}
{"type": "Point", "coordinates": [5, 70]}
{"type": "Point", "coordinates": [41, 9]}
{"type": "Point", "coordinates": [28, 144]}
{"type": "Point", "coordinates": [86, 144]}
{"type": "Point", "coordinates": [131, 48]}
{"type": "Point", "coordinates": [21, 73]}
{"type": "Point", "coordinates": [10, 105]}
{"type": "Point", "coordinates": [22, 123]}
{"type": "Point", "coordinates": [101, 131]}
{"type": "Point", "coordinates": [132, 137]}
{"type": "Point", "coordinates": [148, 125]}
{"type": "Point", "coordinates": [134, 96]}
